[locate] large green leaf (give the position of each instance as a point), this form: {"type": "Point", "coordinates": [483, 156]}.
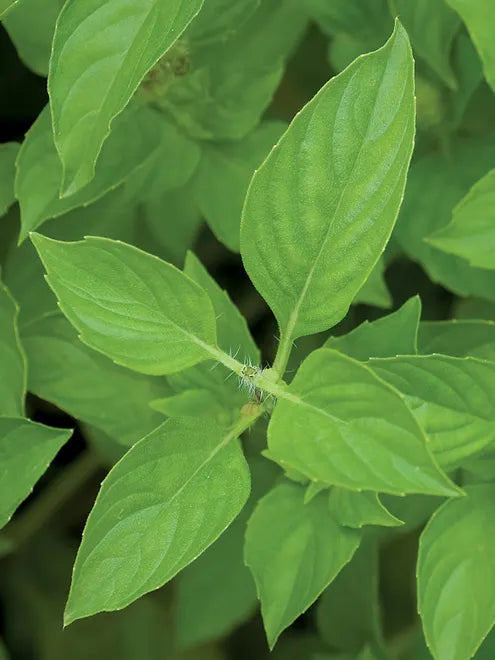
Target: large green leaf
{"type": "Point", "coordinates": [31, 25]}
{"type": "Point", "coordinates": [89, 86]}
{"type": "Point", "coordinates": [436, 183]}
{"type": "Point", "coordinates": [394, 334]}
{"type": "Point", "coordinates": [13, 369]}
{"type": "Point", "coordinates": [456, 573]}
{"type": "Point", "coordinates": [161, 505]}
{"type": "Point", "coordinates": [140, 311]}
{"type": "Point", "coordinates": [479, 17]}
{"type": "Point", "coordinates": [471, 233]}
{"type": "Point", "coordinates": [8, 154]}
{"type": "Point", "coordinates": [431, 26]}
{"type": "Point", "coordinates": [26, 449]}
{"type": "Point", "coordinates": [223, 176]}
{"type": "Point", "coordinates": [452, 398]}
{"type": "Point", "coordinates": [340, 424]}
{"type": "Point", "coordinates": [321, 208]}
{"type": "Point", "coordinates": [462, 338]}
{"type": "Point", "coordinates": [136, 138]}
{"type": "Point", "coordinates": [77, 379]}
{"type": "Point", "coordinates": [294, 551]}
{"type": "Point", "coordinates": [219, 19]}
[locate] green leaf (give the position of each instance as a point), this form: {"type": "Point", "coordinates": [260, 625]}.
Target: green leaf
{"type": "Point", "coordinates": [26, 449]}
{"type": "Point", "coordinates": [471, 232]}
{"type": "Point", "coordinates": [479, 17]}
{"type": "Point", "coordinates": [452, 398]}
{"type": "Point", "coordinates": [162, 504]}
{"type": "Point", "coordinates": [294, 551]}
{"type": "Point", "coordinates": [90, 86]}
{"type": "Point", "coordinates": [12, 358]}
{"type": "Point", "coordinates": [357, 509]}
{"type": "Point", "coordinates": [140, 311]}
{"type": "Point", "coordinates": [5, 5]}
{"type": "Point", "coordinates": [431, 26]}
{"type": "Point", "coordinates": [436, 183]}
{"type": "Point", "coordinates": [321, 208]}
{"type": "Point", "coordinates": [127, 150]}
{"type": "Point", "coordinates": [216, 592]}
{"type": "Point", "coordinates": [374, 291]}
{"type": "Point", "coordinates": [223, 176]}
{"type": "Point", "coordinates": [340, 424]}
{"type": "Point", "coordinates": [232, 80]}
{"type": "Point", "coordinates": [461, 338]}
{"type": "Point", "coordinates": [76, 379]}
{"type": "Point", "coordinates": [189, 403]}
{"type": "Point", "coordinates": [394, 334]}
{"type": "Point", "coordinates": [456, 572]}
{"type": "Point", "coordinates": [8, 154]}
{"type": "Point", "coordinates": [220, 19]}
{"type": "Point", "coordinates": [348, 612]}
{"type": "Point", "coordinates": [31, 25]}
{"type": "Point", "coordinates": [232, 329]}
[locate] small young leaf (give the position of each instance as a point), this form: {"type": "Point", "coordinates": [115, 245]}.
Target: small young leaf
{"type": "Point", "coordinates": [163, 503]}
{"type": "Point", "coordinates": [461, 338]}
{"type": "Point", "coordinates": [90, 86]}
{"type": "Point", "coordinates": [140, 311]}
{"type": "Point", "coordinates": [391, 335]}
{"type": "Point", "coordinates": [75, 378]}
{"type": "Point", "coordinates": [456, 573]}
{"type": "Point", "coordinates": [471, 233]}
{"type": "Point", "coordinates": [294, 551]}
{"type": "Point", "coordinates": [321, 208]}
{"type": "Point", "coordinates": [223, 176]}
{"type": "Point", "coordinates": [12, 358]}
{"type": "Point", "coordinates": [8, 154]}
{"type": "Point", "coordinates": [232, 329]}
{"type": "Point", "coordinates": [452, 398]}
{"type": "Point", "coordinates": [357, 509]}
{"type": "Point", "coordinates": [479, 17]}
{"type": "Point", "coordinates": [340, 424]}
{"type": "Point", "coordinates": [432, 26]}
{"type": "Point", "coordinates": [26, 450]}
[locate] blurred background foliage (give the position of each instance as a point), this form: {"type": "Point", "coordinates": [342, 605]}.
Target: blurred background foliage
{"type": "Point", "coordinates": [226, 90]}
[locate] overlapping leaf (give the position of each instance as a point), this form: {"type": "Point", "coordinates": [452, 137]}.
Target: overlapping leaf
{"type": "Point", "coordinates": [163, 503]}
{"type": "Point", "coordinates": [321, 208]}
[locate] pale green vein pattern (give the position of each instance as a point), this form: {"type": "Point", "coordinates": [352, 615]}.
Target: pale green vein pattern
{"type": "Point", "coordinates": [471, 232]}
{"type": "Point", "coordinates": [12, 358]}
{"type": "Point", "coordinates": [452, 398]}
{"type": "Point", "coordinates": [163, 503]}
{"type": "Point", "coordinates": [321, 208]}
{"type": "Point", "coordinates": [294, 551]}
{"type": "Point", "coordinates": [456, 574]}
{"type": "Point", "coordinates": [138, 310]}
{"type": "Point", "coordinates": [340, 424]}
{"type": "Point", "coordinates": [102, 49]}
{"type": "Point", "coordinates": [479, 17]}
{"type": "Point", "coordinates": [26, 449]}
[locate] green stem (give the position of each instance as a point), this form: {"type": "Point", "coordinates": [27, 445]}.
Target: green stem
{"type": "Point", "coordinates": [283, 354]}
{"type": "Point", "coordinates": [72, 478]}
